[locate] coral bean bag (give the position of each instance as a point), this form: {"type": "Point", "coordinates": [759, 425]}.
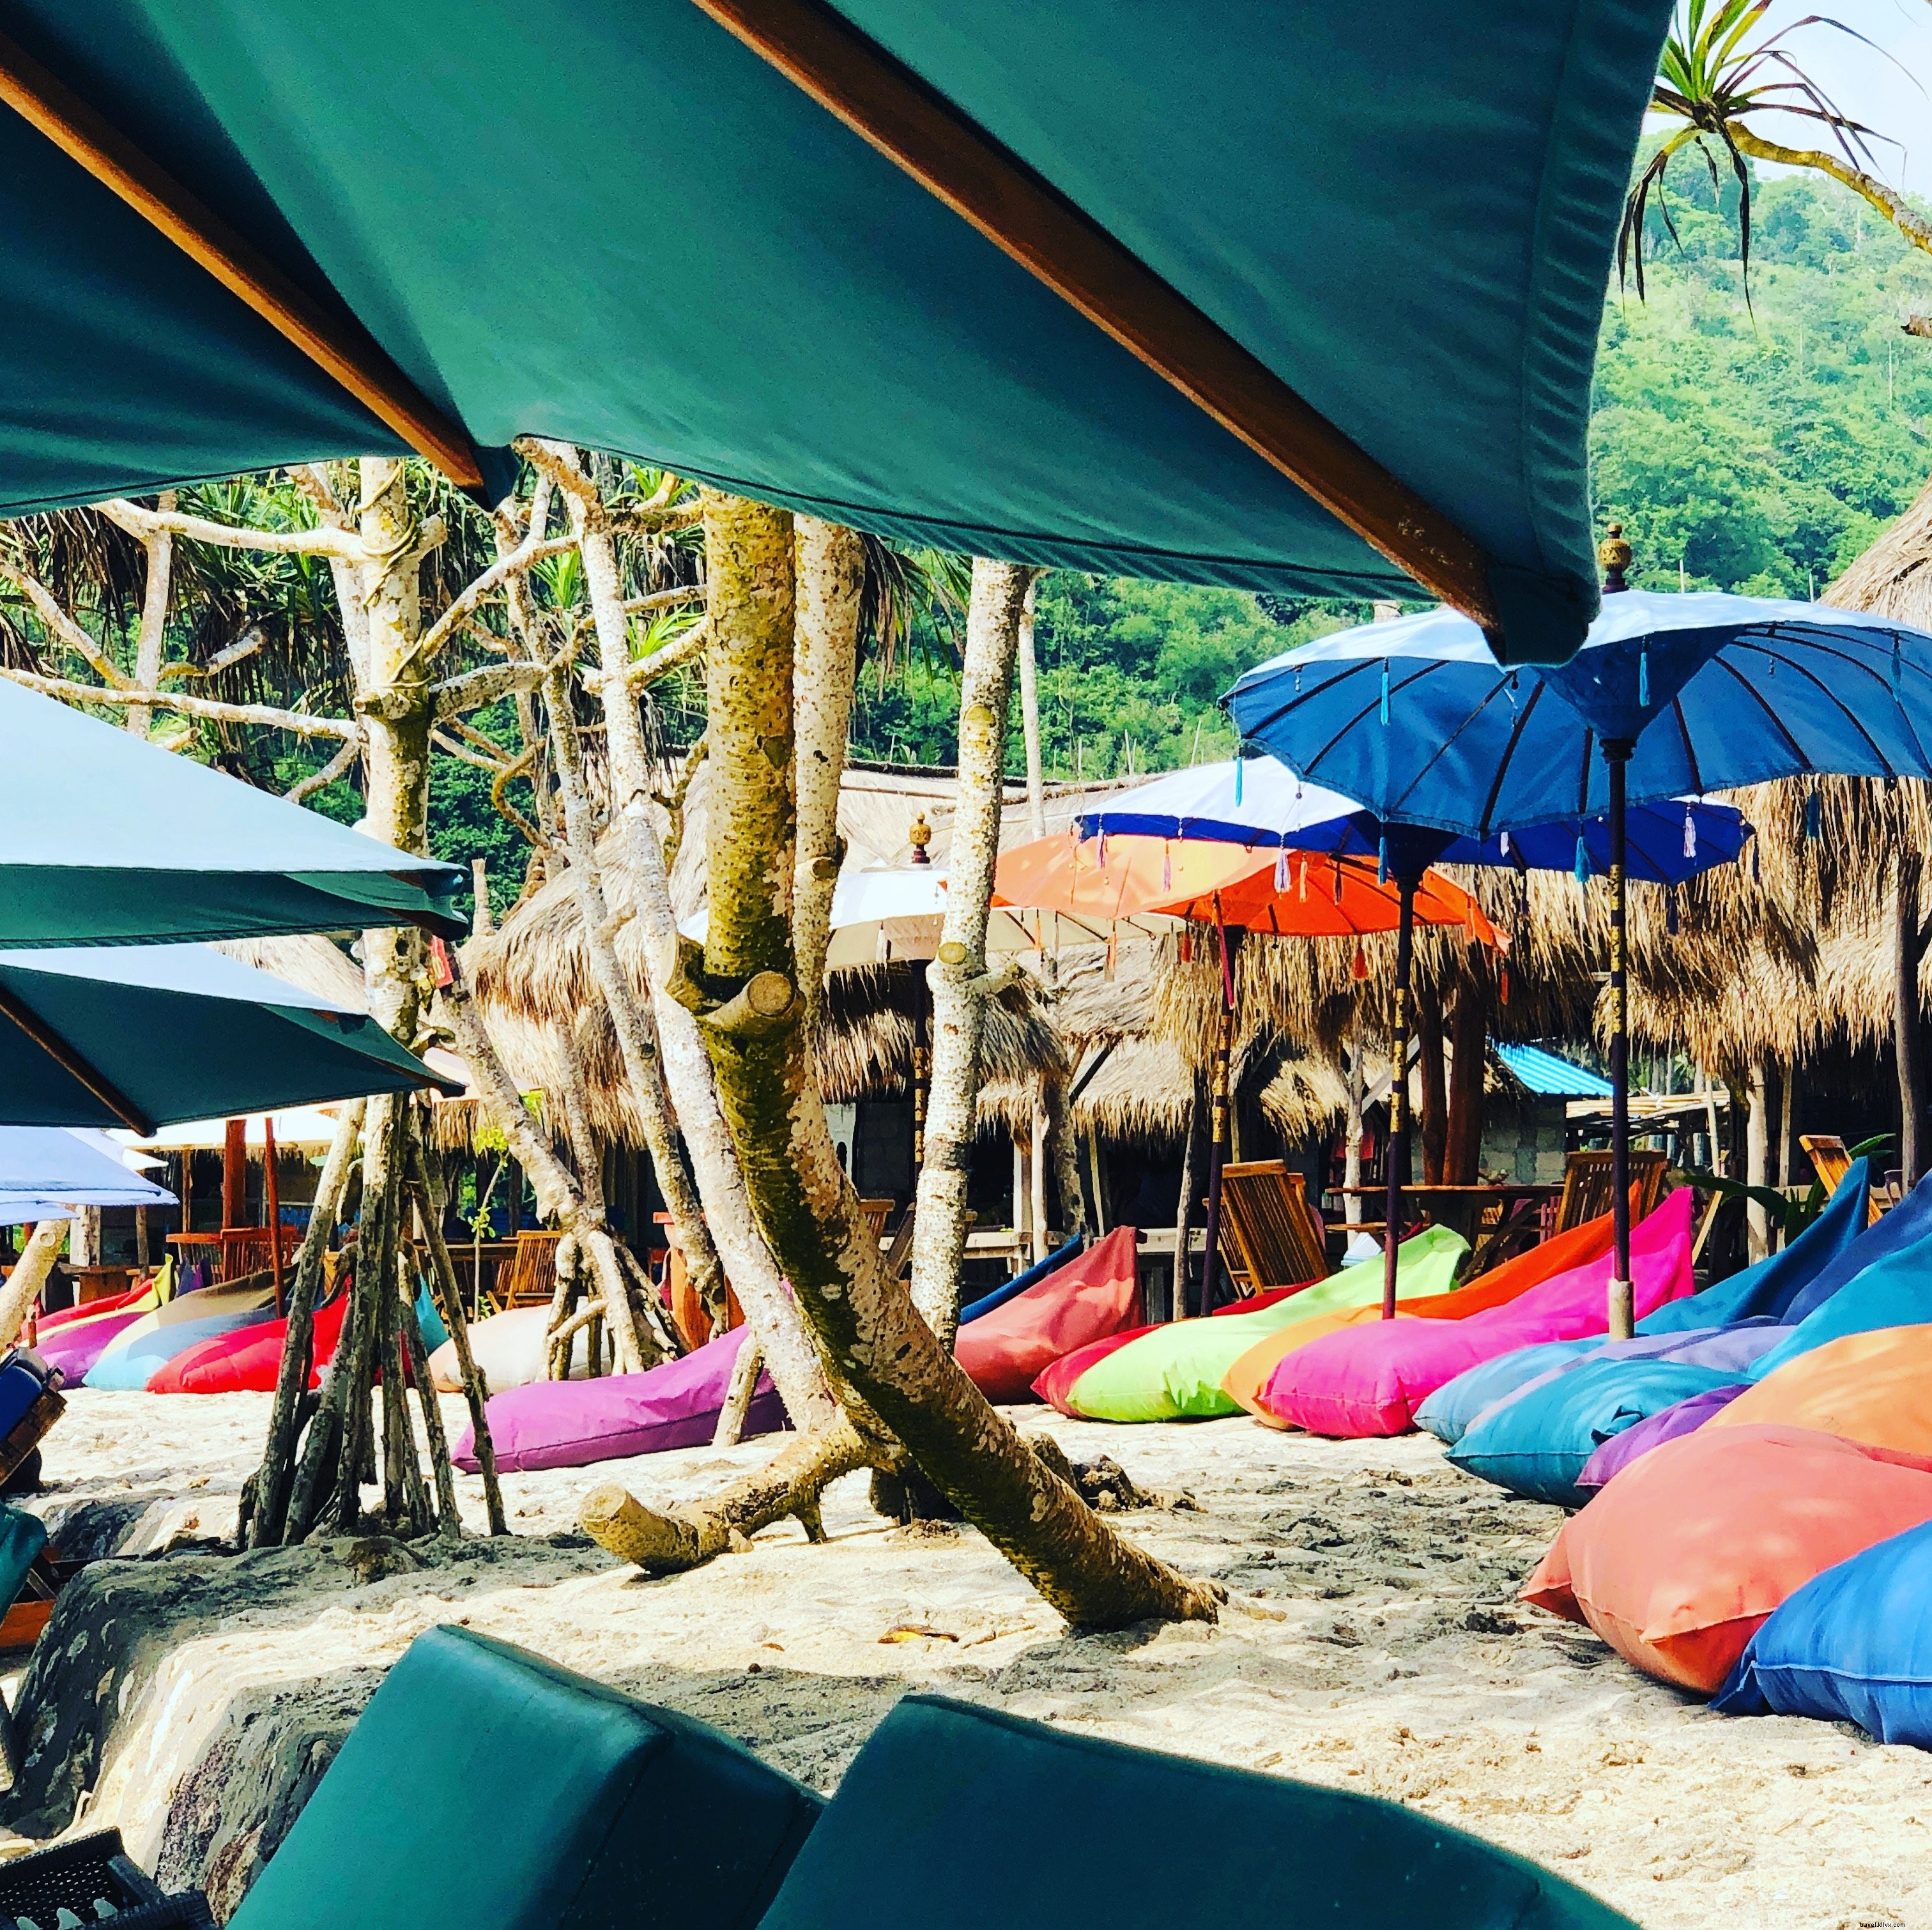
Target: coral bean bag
{"type": "Point", "coordinates": [572, 1424]}
{"type": "Point", "coordinates": [1088, 1299]}
{"type": "Point", "coordinates": [1244, 1381]}
{"type": "Point", "coordinates": [1370, 1379]}
{"type": "Point", "coordinates": [1894, 1292]}
{"type": "Point", "coordinates": [1871, 1387]}
{"type": "Point", "coordinates": [1853, 1645]}
{"type": "Point", "coordinates": [1680, 1559]}
{"type": "Point", "coordinates": [249, 1361]}
{"type": "Point", "coordinates": [1174, 1372]}
{"type": "Point", "coordinates": [1680, 1418]}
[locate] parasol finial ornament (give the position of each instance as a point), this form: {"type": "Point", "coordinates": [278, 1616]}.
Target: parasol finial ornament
{"type": "Point", "coordinates": [919, 834]}
{"type": "Point", "coordinates": [1613, 557]}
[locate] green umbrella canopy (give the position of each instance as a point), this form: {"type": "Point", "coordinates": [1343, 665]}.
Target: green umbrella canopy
{"type": "Point", "coordinates": [106, 840]}
{"type": "Point", "coordinates": [146, 1036]}
{"type": "Point", "coordinates": [611, 221]}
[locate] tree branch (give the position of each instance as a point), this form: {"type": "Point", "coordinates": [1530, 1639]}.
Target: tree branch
{"type": "Point", "coordinates": [641, 672]}
{"type": "Point", "coordinates": [1893, 207]}
{"type": "Point", "coordinates": [338, 766]}
{"type": "Point", "coordinates": [321, 541]}
{"type": "Point", "coordinates": [46, 606]}
{"type": "Point", "coordinates": [531, 550]}
{"type": "Point", "coordinates": [474, 688]}
{"type": "Point", "coordinates": [242, 647]}
{"type": "Point", "coordinates": [265, 716]}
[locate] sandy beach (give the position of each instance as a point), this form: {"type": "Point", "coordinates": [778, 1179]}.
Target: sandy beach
{"type": "Point", "coordinates": [1373, 1643]}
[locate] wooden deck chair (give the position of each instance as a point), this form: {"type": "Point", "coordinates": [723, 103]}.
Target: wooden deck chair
{"type": "Point", "coordinates": [877, 1213]}
{"type": "Point", "coordinates": [1586, 1187]}
{"type": "Point", "coordinates": [530, 1278]}
{"type": "Point", "coordinates": [1273, 1230]}
{"type": "Point", "coordinates": [1830, 1159]}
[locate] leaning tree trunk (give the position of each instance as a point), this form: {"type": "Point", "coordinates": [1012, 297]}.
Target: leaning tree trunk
{"type": "Point", "coordinates": [790, 1358]}
{"type": "Point", "coordinates": [960, 981]}
{"type": "Point", "coordinates": [873, 1343]}
{"type": "Point", "coordinates": [23, 1285]}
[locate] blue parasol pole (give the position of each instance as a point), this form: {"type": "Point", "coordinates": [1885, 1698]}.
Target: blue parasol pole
{"type": "Point", "coordinates": [1396, 1153]}
{"type": "Point", "coordinates": [1622, 1309]}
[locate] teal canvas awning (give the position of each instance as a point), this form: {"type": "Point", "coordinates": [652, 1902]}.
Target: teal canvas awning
{"type": "Point", "coordinates": [616, 222]}
{"type": "Point", "coordinates": [145, 1036]}
{"type": "Point", "coordinates": [107, 839]}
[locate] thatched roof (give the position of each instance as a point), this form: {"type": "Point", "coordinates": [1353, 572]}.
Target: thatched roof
{"type": "Point", "coordinates": [311, 962]}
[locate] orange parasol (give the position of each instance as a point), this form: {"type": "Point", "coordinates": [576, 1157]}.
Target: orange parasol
{"type": "Point", "coordinates": [1289, 894]}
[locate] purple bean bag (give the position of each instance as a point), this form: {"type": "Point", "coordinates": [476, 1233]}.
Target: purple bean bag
{"type": "Point", "coordinates": [572, 1424]}
{"type": "Point", "coordinates": [1682, 1417]}
{"type": "Point", "coordinates": [75, 1347]}
{"type": "Point", "coordinates": [1369, 1379]}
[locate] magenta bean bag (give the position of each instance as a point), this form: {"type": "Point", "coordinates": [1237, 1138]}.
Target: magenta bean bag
{"type": "Point", "coordinates": [1369, 1379]}
{"type": "Point", "coordinates": [572, 1424]}
{"type": "Point", "coordinates": [75, 1347]}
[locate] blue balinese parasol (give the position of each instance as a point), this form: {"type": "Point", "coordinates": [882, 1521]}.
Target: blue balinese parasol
{"type": "Point", "coordinates": [1678, 693]}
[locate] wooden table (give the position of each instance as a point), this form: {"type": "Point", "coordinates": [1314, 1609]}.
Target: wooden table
{"type": "Point", "coordinates": [99, 1283]}
{"type": "Point", "coordinates": [1460, 1207]}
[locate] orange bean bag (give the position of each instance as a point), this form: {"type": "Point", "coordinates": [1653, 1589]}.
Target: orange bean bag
{"type": "Point", "coordinates": [1869, 1388]}
{"type": "Point", "coordinates": [1244, 1381]}
{"type": "Point", "coordinates": [1677, 1561]}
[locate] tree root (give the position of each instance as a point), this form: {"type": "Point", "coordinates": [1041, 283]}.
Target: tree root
{"type": "Point", "coordinates": [670, 1542]}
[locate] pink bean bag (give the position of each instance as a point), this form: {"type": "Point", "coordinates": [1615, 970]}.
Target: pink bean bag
{"type": "Point", "coordinates": [92, 1310]}
{"type": "Point", "coordinates": [1370, 1379]}
{"type": "Point", "coordinates": [572, 1424]}
{"type": "Point", "coordinates": [1088, 1299]}
{"type": "Point", "coordinates": [250, 1359]}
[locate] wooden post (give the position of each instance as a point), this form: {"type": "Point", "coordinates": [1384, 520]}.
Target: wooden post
{"type": "Point", "coordinates": [271, 1207]}
{"type": "Point", "coordinates": [235, 1174]}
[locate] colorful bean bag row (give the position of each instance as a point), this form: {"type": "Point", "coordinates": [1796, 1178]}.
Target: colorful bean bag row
{"type": "Point", "coordinates": [1682, 1417]}
{"type": "Point", "coordinates": [1371, 1379]}
{"type": "Point", "coordinates": [1681, 1559]}
{"type": "Point", "coordinates": [1246, 1379]}
{"type": "Point", "coordinates": [141, 1349]}
{"type": "Point", "coordinates": [1087, 1298]}
{"type": "Point", "coordinates": [248, 1360]}
{"type": "Point", "coordinates": [75, 1347]}
{"type": "Point", "coordinates": [1174, 1372]}
{"type": "Point", "coordinates": [1851, 1645]}
{"type": "Point", "coordinates": [552, 1424]}
{"type": "Point", "coordinates": [1569, 1422]}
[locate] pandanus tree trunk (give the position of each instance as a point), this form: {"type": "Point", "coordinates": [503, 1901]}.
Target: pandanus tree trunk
{"type": "Point", "coordinates": [1469, 1045]}
{"type": "Point", "coordinates": [961, 983]}
{"type": "Point", "coordinates": [881, 1358]}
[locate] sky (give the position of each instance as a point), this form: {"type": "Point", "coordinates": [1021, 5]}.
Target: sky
{"type": "Point", "coordinates": [1864, 82]}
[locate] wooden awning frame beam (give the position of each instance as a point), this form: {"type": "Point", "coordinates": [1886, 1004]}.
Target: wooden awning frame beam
{"type": "Point", "coordinates": [337, 344]}
{"type": "Point", "coordinates": [981, 180]}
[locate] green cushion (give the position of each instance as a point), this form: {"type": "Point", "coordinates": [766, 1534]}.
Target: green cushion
{"type": "Point", "coordinates": [22, 1536]}
{"type": "Point", "coordinates": [954, 1818]}
{"type": "Point", "coordinates": [484, 1788]}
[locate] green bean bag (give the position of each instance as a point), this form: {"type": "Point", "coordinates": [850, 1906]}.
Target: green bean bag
{"type": "Point", "coordinates": [1174, 1373]}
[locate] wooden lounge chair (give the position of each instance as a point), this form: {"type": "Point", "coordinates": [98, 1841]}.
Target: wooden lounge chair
{"type": "Point", "coordinates": [1587, 1193]}
{"type": "Point", "coordinates": [1271, 1230]}
{"type": "Point", "coordinates": [530, 1278]}
{"type": "Point", "coordinates": [1830, 1160]}
{"type": "Point", "coordinates": [877, 1213]}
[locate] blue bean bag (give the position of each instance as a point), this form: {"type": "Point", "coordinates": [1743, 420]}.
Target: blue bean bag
{"type": "Point", "coordinates": [1449, 1411]}
{"type": "Point", "coordinates": [1538, 1446]}
{"type": "Point", "coordinates": [1834, 1248]}
{"type": "Point", "coordinates": [1895, 1292]}
{"type": "Point", "coordinates": [1537, 1429]}
{"type": "Point", "coordinates": [1853, 1644]}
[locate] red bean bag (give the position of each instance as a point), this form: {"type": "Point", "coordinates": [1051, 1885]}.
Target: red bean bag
{"type": "Point", "coordinates": [1677, 1561]}
{"type": "Point", "coordinates": [1086, 1300]}
{"type": "Point", "coordinates": [248, 1360]}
